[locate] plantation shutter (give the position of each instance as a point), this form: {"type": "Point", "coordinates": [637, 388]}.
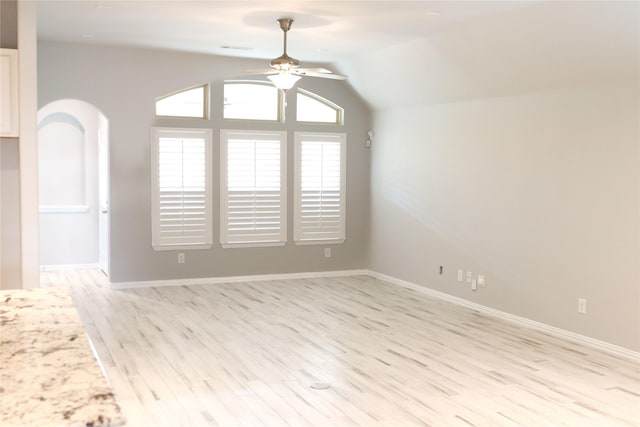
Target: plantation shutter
{"type": "Point", "coordinates": [320, 187]}
{"type": "Point", "coordinates": [253, 188]}
{"type": "Point", "coordinates": [182, 188]}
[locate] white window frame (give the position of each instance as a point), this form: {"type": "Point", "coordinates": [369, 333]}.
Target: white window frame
{"type": "Point", "coordinates": [207, 239]}
{"type": "Point", "coordinates": [258, 83]}
{"type": "Point", "coordinates": [338, 110]}
{"type": "Point", "coordinates": [299, 138]}
{"type": "Point", "coordinates": [225, 135]}
{"type": "Point", "coordinates": [205, 103]}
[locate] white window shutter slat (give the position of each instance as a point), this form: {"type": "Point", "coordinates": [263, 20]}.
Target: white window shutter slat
{"type": "Point", "coordinates": [320, 187]}
{"type": "Point", "coordinates": [253, 192]}
{"type": "Point", "coordinates": [182, 190]}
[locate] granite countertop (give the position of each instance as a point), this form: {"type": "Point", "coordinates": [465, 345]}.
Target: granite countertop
{"type": "Point", "coordinates": [49, 375]}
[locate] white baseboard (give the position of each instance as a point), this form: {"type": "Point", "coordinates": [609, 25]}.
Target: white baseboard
{"type": "Point", "coordinates": [53, 267]}
{"type": "Point", "coordinates": [523, 321]}
{"type": "Point", "coordinates": [230, 279]}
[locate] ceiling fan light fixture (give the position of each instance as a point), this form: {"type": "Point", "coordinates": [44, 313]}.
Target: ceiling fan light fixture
{"type": "Point", "coordinates": [284, 81]}
{"type": "Point", "coordinates": [285, 71]}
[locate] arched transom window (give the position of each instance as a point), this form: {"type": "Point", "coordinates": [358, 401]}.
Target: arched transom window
{"type": "Point", "coordinates": [316, 109]}
{"type": "Point", "coordinates": [192, 102]}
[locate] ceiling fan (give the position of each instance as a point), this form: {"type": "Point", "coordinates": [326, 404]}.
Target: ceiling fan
{"type": "Point", "coordinates": [286, 70]}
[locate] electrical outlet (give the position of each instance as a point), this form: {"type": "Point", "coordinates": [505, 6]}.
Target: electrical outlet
{"type": "Point", "coordinates": [469, 276]}
{"type": "Point", "coordinates": [327, 252]}
{"type": "Point", "coordinates": [180, 257]}
{"type": "Point", "coordinates": [474, 285]}
{"type": "Point", "coordinates": [582, 305]}
{"type": "Point", "coordinates": [481, 281]}
{"type": "Point", "coordinates": [441, 270]}
{"type": "Point", "coordinates": [459, 275]}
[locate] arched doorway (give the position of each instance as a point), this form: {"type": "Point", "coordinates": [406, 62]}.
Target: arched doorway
{"type": "Point", "coordinates": [73, 169]}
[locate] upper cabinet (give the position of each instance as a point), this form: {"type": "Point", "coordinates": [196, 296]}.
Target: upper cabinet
{"type": "Point", "coordinates": [9, 123]}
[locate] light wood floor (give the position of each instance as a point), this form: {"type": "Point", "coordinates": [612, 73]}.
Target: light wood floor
{"type": "Point", "coordinates": [246, 354]}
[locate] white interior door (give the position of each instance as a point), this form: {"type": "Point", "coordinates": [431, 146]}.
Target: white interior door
{"type": "Point", "coordinates": [103, 197]}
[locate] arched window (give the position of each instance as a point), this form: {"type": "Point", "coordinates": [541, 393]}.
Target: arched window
{"type": "Point", "coordinates": [316, 109]}
{"type": "Point", "coordinates": [252, 101]}
{"type": "Point", "coordinates": [191, 102]}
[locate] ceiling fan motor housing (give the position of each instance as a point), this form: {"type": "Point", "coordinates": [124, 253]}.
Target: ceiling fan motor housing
{"type": "Point", "coordinates": [285, 62]}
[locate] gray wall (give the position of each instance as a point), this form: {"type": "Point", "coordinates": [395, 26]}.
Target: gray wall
{"type": "Point", "coordinates": [513, 152]}
{"type": "Point", "coordinates": [540, 193]}
{"type": "Point", "coordinates": [123, 83]}
{"type": "Point", "coordinates": [9, 24]}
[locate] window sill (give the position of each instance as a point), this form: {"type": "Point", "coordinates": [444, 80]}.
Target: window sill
{"type": "Point", "coordinates": [180, 247]}
{"type": "Point", "coordinates": [252, 245]}
{"type": "Point", "coordinates": [320, 242]}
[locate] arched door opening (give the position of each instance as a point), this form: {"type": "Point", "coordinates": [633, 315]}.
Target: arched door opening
{"type": "Point", "coordinates": [73, 169]}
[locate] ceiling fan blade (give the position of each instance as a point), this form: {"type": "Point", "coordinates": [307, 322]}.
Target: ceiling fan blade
{"type": "Point", "coordinates": [263, 71]}
{"type": "Point", "coordinates": [307, 73]}
{"type": "Point", "coordinates": [316, 70]}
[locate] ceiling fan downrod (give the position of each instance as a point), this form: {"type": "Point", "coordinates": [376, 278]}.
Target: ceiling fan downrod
{"type": "Point", "coordinates": [284, 62]}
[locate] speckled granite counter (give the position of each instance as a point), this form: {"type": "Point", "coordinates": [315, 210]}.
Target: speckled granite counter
{"type": "Point", "coordinates": [48, 373]}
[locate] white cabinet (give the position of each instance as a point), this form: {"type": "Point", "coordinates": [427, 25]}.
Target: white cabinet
{"type": "Point", "coordinates": [9, 123]}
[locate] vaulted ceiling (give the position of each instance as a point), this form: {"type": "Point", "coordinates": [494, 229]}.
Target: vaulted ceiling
{"type": "Point", "coordinates": [396, 53]}
{"type": "Point", "coordinates": [324, 31]}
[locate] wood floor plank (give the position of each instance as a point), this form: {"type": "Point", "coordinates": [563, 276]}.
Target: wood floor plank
{"type": "Point", "coordinates": [247, 354]}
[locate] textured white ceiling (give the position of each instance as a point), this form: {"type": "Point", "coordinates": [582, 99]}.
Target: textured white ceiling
{"type": "Point", "coordinates": [396, 53]}
{"type": "Point", "coordinates": [546, 46]}
{"type": "Point", "coordinates": [325, 31]}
